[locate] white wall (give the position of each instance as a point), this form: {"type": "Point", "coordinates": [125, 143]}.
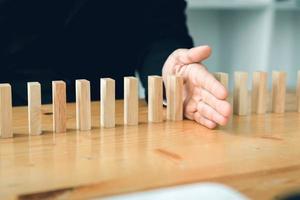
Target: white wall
{"type": "Point", "coordinates": [204, 26]}
{"type": "Point", "coordinates": [285, 46]}
{"type": "Point", "coordinates": [248, 35]}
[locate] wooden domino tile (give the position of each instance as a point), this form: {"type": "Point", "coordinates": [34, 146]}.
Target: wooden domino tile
{"type": "Point", "coordinates": [174, 98]}
{"type": "Point", "coordinates": [155, 99]}
{"type": "Point", "coordinates": [278, 91]}
{"type": "Point", "coordinates": [6, 129]}
{"type": "Point", "coordinates": [131, 101]}
{"type": "Point", "coordinates": [222, 78]}
{"type": "Point", "coordinates": [83, 105]}
{"type": "Point", "coordinates": [59, 106]}
{"type": "Point", "coordinates": [240, 93]}
{"type": "Point", "coordinates": [34, 108]}
{"type": "Point", "coordinates": [107, 110]}
{"type": "Point", "coordinates": [259, 92]}
{"type": "Point", "coordinates": [298, 92]}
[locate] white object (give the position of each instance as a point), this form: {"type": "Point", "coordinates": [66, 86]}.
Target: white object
{"type": "Point", "coordinates": [211, 191]}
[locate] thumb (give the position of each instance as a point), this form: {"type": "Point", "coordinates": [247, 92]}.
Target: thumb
{"type": "Point", "coordinates": [184, 57]}
{"type": "Point", "coordinates": [194, 55]}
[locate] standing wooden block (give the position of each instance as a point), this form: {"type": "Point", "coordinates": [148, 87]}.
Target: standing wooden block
{"type": "Point", "coordinates": [6, 130]}
{"type": "Point", "coordinates": [131, 104]}
{"type": "Point", "coordinates": [240, 93]}
{"type": "Point", "coordinates": [155, 99]}
{"type": "Point", "coordinates": [174, 98]}
{"type": "Point", "coordinates": [83, 105]}
{"type": "Point", "coordinates": [259, 92]}
{"type": "Point", "coordinates": [107, 102]}
{"type": "Point", "coordinates": [59, 106]}
{"type": "Point", "coordinates": [298, 91]}
{"type": "Point", "coordinates": [278, 91]}
{"type": "Point", "coordinates": [222, 78]}
{"type": "Point", "coordinates": [34, 108]}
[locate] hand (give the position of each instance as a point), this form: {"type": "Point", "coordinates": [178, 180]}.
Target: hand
{"type": "Point", "coordinates": [204, 97]}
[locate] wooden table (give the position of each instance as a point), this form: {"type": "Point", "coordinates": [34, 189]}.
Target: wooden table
{"type": "Point", "coordinates": [258, 155]}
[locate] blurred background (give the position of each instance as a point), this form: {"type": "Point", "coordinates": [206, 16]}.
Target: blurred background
{"type": "Point", "coordinates": [248, 35]}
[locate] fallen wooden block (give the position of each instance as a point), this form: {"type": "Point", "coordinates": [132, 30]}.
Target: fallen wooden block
{"type": "Point", "coordinates": [174, 98]}
{"type": "Point", "coordinates": [278, 91]}
{"type": "Point", "coordinates": [259, 92]}
{"type": "Point", "coordinates": [6, 129]}
{"type": "Point", "coordinates": [131, 101]}
{"type": "Point", "coordinates": [83, 105]}
{"type": "Point", "coordinates": [155, 99]}
{"type": "Point", "coordinates": [59, 106]}
{"type": "Point", "coordinates": [240, 93]}
{"type": "Point", "coordinates": [34, 108]}
{"type": "Point", "coordinates": [107, 103]}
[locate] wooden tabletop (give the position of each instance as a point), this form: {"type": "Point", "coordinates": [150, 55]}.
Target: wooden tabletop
{"type": "Point", "coordinates": [257, 155]}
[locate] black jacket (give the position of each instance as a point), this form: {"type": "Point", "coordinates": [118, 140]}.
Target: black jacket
{"type": "Point", "coordinates": [45, 40]}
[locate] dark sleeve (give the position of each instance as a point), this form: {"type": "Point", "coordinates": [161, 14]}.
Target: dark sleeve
{"type": "Point", "coordinates": [167, 31]}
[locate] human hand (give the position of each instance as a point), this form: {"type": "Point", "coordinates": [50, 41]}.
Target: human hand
{"type": "Point", "coordinates": [204, 97]}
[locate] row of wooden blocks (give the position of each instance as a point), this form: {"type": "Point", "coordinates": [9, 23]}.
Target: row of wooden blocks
{"type": "Point", "coordinates": [174, 92]}
{"type": "Point", "coordinates": [259, 95]}
{"type": "Point", "coordinates": [83, 104]}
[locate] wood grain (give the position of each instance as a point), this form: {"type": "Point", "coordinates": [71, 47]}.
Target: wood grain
{"type": "Point", "coordinates": [83, 105]}
{"type": "Point", "coordinates": [278, 91]}
{"type": "Point", "coordinates": [259, 92]}
{"type": "Point", "coordinates": [6, 129]}
{"type": "Point", "coordinates": [107, 98]}
{"type": "Point", "coordinates": [174, 98]}
{"type": "Point", "coordinates": [240, 93]}
{"type": "Point", "coordinates": [131, 101]}
{"type": "Point", "coordinates": [59, 106]}
{"type": "Point", "coordinates": [34, 108]}
{"type": "Point", "coordinates": [249, 150]}
{"type": "Point", "coordinates": [155, 99]}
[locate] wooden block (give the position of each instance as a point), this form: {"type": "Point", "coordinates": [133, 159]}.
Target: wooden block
{"type": "Point", "coordinates": [259, 92]}
{"type": "Point", "coordinates": [6, 129]}
{"type": "Point", "coordinates": [240, 93]}
{"type": "Point", "coordinates": [107, 103]}
{"type": "Point", "coordinates": [59, 106]}
{"type": "Point", "coordinates": [278, 91]}
{"type": "Point", "coordinates": [131, 104]}
{"type": "Point", "coordinates": [34, 108]}
{"type": "Point", "coordinates": [298, 91]}
{"type": "Point", "coordinates": [222, 78]}
{"type": "Point", "coordinates": [155, 99]}
{"type": "Point", "coordinates": [174, 98]}
{"type": "Point", "coordinates": [83, 105]}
